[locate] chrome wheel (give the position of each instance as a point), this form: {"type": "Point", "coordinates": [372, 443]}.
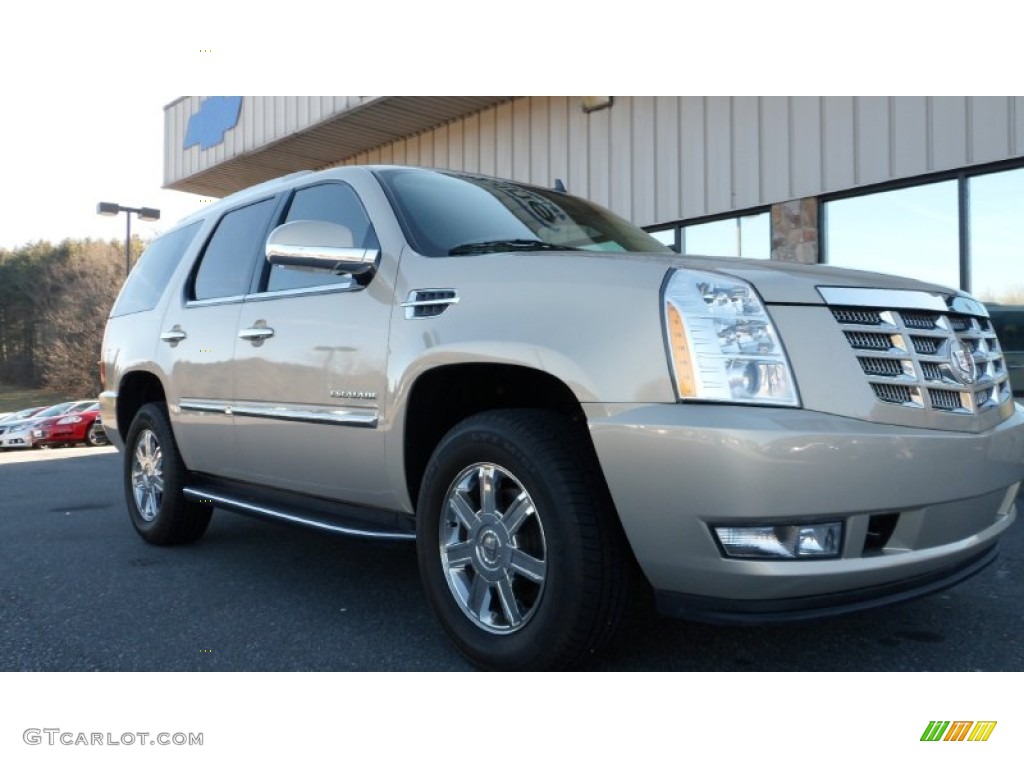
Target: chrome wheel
{"type": "Point", "coordinates": [493, 549]}
{"type": "Point", "coordinates": [147, 475]}
{"type": "Point", "coordinates": [96, 436]}
{"type": "Point", "coordinates": [154, 477]}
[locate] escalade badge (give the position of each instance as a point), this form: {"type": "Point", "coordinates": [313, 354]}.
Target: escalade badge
{"type": "Point", "coordinates": [963, 366]}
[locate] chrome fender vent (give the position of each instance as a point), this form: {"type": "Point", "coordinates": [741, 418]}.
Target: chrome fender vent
{"type": "Point", "coordinates": [428, 302]}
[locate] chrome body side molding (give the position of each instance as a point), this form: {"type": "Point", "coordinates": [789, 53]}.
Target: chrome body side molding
{"type": "Point", "coordinates": [346, 417]}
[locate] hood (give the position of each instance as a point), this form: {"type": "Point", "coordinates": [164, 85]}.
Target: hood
{"type": "Point", "coordinates": [777, 282]}
{"type": "Point", "coordinates": [780, 282]}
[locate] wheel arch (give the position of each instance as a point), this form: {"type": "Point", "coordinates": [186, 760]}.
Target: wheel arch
{"type": "Point", "coordinates": [443, 396]}
{"type": "Point", "coordinates": [135, 390]}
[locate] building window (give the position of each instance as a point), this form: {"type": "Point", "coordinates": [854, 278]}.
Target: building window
{"type": "Point", "coordinates": [913, 232]}
{"type": "Point", "coordinates": [997, 236]}
{"type": "Point", "coordinates": [748, 237]}
{"type": "Point", "coordinates": [665, 237]}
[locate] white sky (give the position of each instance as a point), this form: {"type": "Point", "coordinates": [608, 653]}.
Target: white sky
{"type": "Point", "coordinates": [84, 88]}
{"type": "Point", "coordinates": [56, 168]}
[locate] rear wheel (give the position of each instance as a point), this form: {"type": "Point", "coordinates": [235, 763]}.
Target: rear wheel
{"type": "Point", "coordinates": [520, 552]}
{"type": "Point", "coordinates": [154, 481]}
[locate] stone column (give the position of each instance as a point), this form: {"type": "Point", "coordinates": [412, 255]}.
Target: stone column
{"type": "Point", "coordinates": [795, 231]}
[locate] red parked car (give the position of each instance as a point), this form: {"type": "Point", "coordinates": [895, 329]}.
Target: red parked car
{"type": "Point", "coordinates": [77, 427]}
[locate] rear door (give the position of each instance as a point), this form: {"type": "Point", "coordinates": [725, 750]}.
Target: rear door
{"type": "Point", "coordinates": [198, 339]}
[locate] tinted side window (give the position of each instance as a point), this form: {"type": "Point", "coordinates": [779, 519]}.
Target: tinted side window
{"type": "Point", "coordinates": [225, 267]}
{"type": "Point", "coordinates": [147, 281]}
{"type": "Point", "coordinates": [338, 204]}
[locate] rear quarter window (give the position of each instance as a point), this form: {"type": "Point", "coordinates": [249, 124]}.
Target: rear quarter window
{"type": "Point", "coordinates": [147, 282]}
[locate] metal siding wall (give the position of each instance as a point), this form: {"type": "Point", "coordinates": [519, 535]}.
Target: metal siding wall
{"type": "Point", "coordinates": [558, 138]}
{"type": "Point", "coordinates": [644, 182]}
{"type": "Point", "coordinates": [521, 139]}
{"type": "Point", "coordinates": [872, 121]}
{"type": "Point", "coordinates": [746, 170]}
{"type": "Point", "coordinates": [540, 141]}
{"type": "Point", "coordinates": [1018, 123]}
{"type": "Point", "coordinates": [718, 152]}
{"type": "Point", "coordinates": [774, 148]}
{"type": "Point", "coordinates": [441, 147]}
{"type": "Point", "coordinates": [503, 140]}
{"type": "Point", "coordinates": [838, 157]}
{"type": "Point", "coordinates": [488, 142]}
{"type": "Point", "coordinates": [691, 161]}
{"type": "Point", "coordinates": [456, 146]}
{"type": "Point", "coordinates": [412, 150]}
{"type": "Point", "coordinates": [579, 148]}
{"type": "Point", "coordinates": [599, 157]}
{"type": "Point", "coordinates": [620, 169]}
{"type": "Point", "coordinates": [990, 128]}
{"type": "Point", "coordinates": [948, 131]}
{"type": "Point", "coordinates": [910, 136]}
{"type": "Point", "coordinates": [471, 148]}
{"type": "Point", "coordinates": [666, 153]}
{"type": "Point", "coordinates": [805, 145]}
{"type": "Point", "coordinates": [662, 159]}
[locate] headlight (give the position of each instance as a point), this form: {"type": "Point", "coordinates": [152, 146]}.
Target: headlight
{"type": "Point", "coordinates": [722, 342]}
{"type": "Point", "coordinates": [70, 420]}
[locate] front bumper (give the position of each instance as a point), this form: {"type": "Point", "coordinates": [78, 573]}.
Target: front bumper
{"type": "Point", "coordinates": [19, 439]}
{"type": "Point", "coordinates": [676, 470]}
{"type": "Point", "coordinates": [108, 413]}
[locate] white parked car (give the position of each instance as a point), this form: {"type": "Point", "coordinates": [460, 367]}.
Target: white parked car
{"type": "Point", "coordinates": [18, 433]}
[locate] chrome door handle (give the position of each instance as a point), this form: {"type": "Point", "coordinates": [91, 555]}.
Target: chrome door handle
{"type": "Point", "coordinates": [256, 334]}
{"type": "Point", "coordinates": [173, 336]}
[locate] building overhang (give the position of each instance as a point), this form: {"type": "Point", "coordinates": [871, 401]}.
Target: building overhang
{"type": "Point", "coordinates": [367, 123]}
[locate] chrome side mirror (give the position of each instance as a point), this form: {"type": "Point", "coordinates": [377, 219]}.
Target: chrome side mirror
{"type": "Point", "coordinates": [320, 246]}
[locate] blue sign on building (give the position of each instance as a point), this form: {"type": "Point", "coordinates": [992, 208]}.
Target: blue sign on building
{"type": "Point", "coordinates": [216, 116]}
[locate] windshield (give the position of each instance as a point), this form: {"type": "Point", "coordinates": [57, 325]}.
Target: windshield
{"type": "Point", "coordinates": [448, 214]}
{"type": "Point", "coordinates": [54, 410]}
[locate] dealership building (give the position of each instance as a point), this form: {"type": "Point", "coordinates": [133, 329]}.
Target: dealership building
{"type": "Point", "coordinates": [928, 187]}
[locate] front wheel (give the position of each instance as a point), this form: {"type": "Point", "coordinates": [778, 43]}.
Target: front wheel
{"type": "Point", "coordinates": [154, 481]}
{"type": "Point", "coordinates": [520, 552]}
{"type": "Point", "coordinates": [96, 437]}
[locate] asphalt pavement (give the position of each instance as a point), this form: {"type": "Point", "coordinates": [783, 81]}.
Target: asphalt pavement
{"type": "Point", "coordinates": [79, 590]}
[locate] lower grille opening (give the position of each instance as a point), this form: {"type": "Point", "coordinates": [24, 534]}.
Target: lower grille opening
{"type": "Point", "coordinates": [945, 400]}
{"type": "Point", "coordinates": [893, 393]}
{"type": "Point", "coordinates": [880, 528]}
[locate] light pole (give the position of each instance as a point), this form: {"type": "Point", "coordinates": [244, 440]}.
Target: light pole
{"type": "Point", "coordinates": [144, 214]}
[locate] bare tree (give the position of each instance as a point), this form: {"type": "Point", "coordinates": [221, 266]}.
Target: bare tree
{"type": "Point", "coordinates": [80, 290]}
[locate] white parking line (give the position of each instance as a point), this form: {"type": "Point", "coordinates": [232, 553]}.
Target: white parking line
{"type": "Point", "coordinates": [22, 456]}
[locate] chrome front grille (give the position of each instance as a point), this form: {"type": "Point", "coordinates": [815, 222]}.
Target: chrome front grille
{"type": "Point", "coordinates": [939, 360]}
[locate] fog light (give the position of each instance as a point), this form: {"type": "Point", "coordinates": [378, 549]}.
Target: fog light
{"type": "Point", "coordinates": [783, 542]}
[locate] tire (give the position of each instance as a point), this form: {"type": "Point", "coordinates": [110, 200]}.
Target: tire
{"type": "Point", "coordinates": [534, 574]}
{"type": "Point", "coordinates": [95, 437]}
{"type": "Point", "coordinates": [154, 480]}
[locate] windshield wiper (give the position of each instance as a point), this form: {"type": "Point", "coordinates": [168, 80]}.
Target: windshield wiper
{"type": "Point", "coordinates": [494, 246]}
